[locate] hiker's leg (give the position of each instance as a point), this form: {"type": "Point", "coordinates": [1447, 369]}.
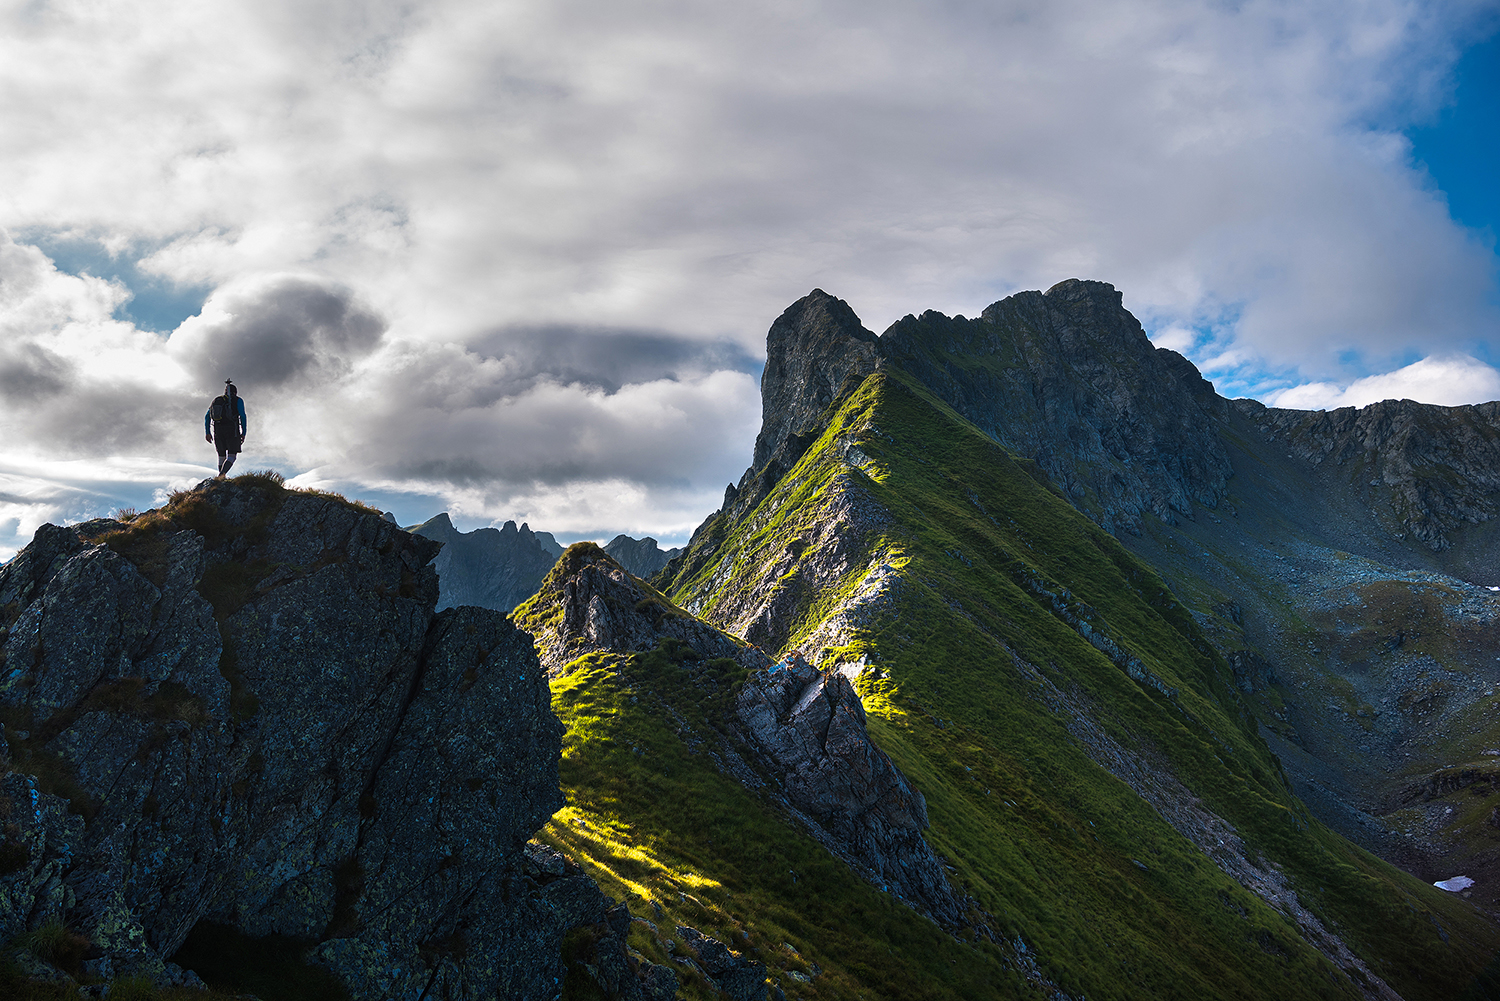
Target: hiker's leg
{"type": "Point", "coordinates": [222, 453]}
{"type": "Point", "coordinates": [229, 458]}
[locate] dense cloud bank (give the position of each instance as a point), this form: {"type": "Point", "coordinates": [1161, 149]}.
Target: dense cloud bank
{"type": "Point", "coordinates": [581, 429]}
{"type": "Point", "coordinates": [525, 254]}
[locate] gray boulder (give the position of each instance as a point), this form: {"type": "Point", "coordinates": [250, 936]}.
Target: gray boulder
{"type": "Point", "coordinates": [811, 727]}
{"type": "Point", "coordinates": [738, 978]}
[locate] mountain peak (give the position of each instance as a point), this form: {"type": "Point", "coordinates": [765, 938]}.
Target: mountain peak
{"type": "Point", "coordinates": [815, 345]}
{"type": "Point", "coordinates": [1081, 288]}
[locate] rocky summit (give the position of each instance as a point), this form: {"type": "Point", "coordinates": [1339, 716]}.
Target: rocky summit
{"type": "Point", "coordinates": [241, 712]}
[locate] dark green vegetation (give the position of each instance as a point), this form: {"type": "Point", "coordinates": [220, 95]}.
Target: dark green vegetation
{"type": "Point", "coordinates": [1056, 705]}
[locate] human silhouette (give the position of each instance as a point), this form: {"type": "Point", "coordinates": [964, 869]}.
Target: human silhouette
{"type": "Point", "coordinates": [224, 425]}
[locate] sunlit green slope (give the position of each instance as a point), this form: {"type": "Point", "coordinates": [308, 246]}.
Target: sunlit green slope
{"type": "Point", "coordinates": [1081, 747]}
{"type": "Point", "coordinates": [656, 822]}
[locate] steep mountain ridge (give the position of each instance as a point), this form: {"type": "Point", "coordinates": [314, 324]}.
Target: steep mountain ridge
{"type": "Point", "coordinates": [1068, 378]}
{"type": "Point", "coordinates": [1293, 535]}
{"type": "Point", "coordinates": [805, 730]}
{"type": "Point", "coordinates": [1433, 471]}
{"type": "Point", "coordinates": [909, 549]}
{"type": "Point", "coordinates": [742, 798]}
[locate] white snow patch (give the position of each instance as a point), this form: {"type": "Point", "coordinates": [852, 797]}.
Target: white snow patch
{"type": "Point", "coordinates": [1455, 884]}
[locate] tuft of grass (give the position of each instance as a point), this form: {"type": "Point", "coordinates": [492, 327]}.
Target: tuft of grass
{"type": "Point", "coordinates": [55, 943]}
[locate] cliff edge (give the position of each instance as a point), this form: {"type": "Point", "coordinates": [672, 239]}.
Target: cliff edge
{"type": "Point", "coordinates": [242, 709]}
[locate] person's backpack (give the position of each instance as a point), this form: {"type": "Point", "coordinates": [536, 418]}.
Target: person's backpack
{"type": "Point", "coordinates": [219, 411]}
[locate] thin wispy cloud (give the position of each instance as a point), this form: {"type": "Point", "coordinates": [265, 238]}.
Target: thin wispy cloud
{"type": "Point", "coordinates": [526, 254]}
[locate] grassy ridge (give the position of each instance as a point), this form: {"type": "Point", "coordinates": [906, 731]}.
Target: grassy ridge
{"type": "Point", "coordinates": [654, 820]}
{"type": "Point", "coordinates": [976, 540]}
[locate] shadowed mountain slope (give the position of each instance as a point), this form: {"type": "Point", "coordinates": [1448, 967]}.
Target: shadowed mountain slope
{"type": "Point", "coordinates": [1340, 561]}
{"type": "Point", "coordinates": [489, 567]}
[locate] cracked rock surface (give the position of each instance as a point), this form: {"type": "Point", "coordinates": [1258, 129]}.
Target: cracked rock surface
{"type": "Point", "coordinates": [243, 708]}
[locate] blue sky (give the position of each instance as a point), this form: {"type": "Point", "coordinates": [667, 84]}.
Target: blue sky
{"type": "Point", "coordinates": [1461, 150]}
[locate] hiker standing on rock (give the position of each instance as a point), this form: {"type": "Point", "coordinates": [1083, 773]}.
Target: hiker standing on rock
{"type": "Point", "coordinates": [224, 425]}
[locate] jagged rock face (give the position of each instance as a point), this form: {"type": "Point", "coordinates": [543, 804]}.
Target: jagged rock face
{"type": "Point", "coordinates": [489, 567]}
{"type": "Point", "coordinates": [811, 727]}
{"type": "Point", "coordinates": [641, 557]}
{"type": "Point", "coordinates": [1425, 470]}
{"type": "Point", "coordinates": [808, 727]}
{"type": "Point", "coordinates": [811, 349]}
{"type": "Point", "coordinates": [590, 603]}
{"type": "Point", "coordinates": [1069, 379]}
{"type": "Point", "coordinates": [312, 753]}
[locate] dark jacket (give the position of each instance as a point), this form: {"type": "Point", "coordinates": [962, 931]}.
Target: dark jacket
{"type": "Point", "coordinates": [229, 435]}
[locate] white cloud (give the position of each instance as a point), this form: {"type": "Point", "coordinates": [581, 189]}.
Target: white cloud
{"type": "Point", "coordinates": [1452, 381]}
{"type": "Point", "coordinates": [34, 492]}
{"type": "Point", "coordinates": [453, 172]}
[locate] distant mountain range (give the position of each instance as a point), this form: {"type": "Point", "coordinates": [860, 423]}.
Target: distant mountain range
{"type": "Point", "coordinates": [501, 567]}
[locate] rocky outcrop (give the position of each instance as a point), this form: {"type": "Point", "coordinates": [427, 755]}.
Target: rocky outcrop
{"type": "Point", "coordinates": [729, 972]}
{"type": "Point", "coordinates": [811, 727]}
{"type": "Point", "coordinates": [811, 350]}
{"type": "Point", "coordinates": [641, 557]}
{"type": "Point", "coordinates": [242, 709]}
{"type": "Point", "coordinates": [489, 567]}
{"type": "Point", "coordinates": [807, 727]}
{"type": "Point", "coordinates": [1068, 378]}
{"type": "Point", "coordinates": [1424, 470]}
{"type": "Point", "coordinates": [816, 349]}
{"type": "Point", "coordinates": [590, 603]}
